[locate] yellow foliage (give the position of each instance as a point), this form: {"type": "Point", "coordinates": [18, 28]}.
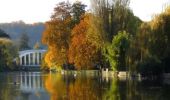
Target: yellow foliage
{"type": "Point", "coordinates": [56, 36]}
{"type": "Point", "coordinates": [82, 52]}
{"type": "Point", "coordinates": [66, 87]}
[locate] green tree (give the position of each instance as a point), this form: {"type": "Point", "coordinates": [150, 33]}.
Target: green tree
{"type": "Point", "coordinates": [8, 53]}
{"type": "Point", "coordinates": [23, 42]}
{"type": "Point", "coordinates": [116, 53]}
{"type": "Point", "coordinates": [77, 10]}
{"type": "Point", "coordinates": [149, 51]}
{"type": "Point", "coordinates": [160, 40]}
{"type": "Point", "coordinates": [114, 15]}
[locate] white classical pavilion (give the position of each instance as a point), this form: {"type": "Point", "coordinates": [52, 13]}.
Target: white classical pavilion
{"type": "Point", "coordinates": [31, 57]}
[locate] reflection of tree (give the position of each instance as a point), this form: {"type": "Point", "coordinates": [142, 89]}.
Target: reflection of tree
{"type": "Point", "coordinates": [55, 86]}
{"type": "Point", "coordinates": [145, 90]}
{"type": "Point", "coordinates": [8, 91]}
{"type": "Point", "coordinates": [112, 93]}
{"type": "Point", "coordinates": [83, 88]}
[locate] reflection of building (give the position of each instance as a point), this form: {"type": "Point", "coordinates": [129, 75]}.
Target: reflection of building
{"type": "Point", "coordinates": [31, 82]}
{"type": "Point", "coordinates": [31, 57]}
{"type": "Point", "coordinates": [31, 86]}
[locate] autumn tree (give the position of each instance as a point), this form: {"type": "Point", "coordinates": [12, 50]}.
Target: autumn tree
{"type": "Point", "coordinates": [57, 35]}
{"type": "Point", "coordinates": [58, 31]}
{"type": "Point", "coordinates": [37, 45]}
{"type": "Point", "coordinates": [83, 52]}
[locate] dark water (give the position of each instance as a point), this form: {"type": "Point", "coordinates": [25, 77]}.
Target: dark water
{"type": "Point", "coordinates": [41, 86]}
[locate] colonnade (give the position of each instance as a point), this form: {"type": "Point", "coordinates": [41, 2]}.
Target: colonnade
{"type": "Point", "coordinates": [31, 57]}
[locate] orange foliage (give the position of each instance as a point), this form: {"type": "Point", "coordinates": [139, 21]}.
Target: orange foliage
{"type": "Point", "coordinates": [82, 52]}
{"type": "Point", "coordinates": [75, 46]}
{"type": "Point", "coordinates": [55, 86]}
{"type": "Point", "coordinates": [67, 87]}
{"type": "Point", "coordinates": [84, 89]}
{"type": "Point", "coordinates": [56, 36]}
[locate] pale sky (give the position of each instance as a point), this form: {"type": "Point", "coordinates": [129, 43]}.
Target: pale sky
{"type": "Point", "coordinates": [145, 9]}
{"type": "Point", "coordinates": [31, 11]}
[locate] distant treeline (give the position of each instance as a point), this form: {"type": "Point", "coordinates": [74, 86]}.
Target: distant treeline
{"type": "Point", "coordinates": [15, 29]}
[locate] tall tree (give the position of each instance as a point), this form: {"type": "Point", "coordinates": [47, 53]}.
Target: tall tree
{"type": "Point", "coordinates": [57, 34]}
{"type": "Point", "coordinates": [150, 47]}
{"type": "Point", "coordinates": [23, 42]}
{"type": "Point", "coordinates": [115, 16]}
{"type": "Point", "coordinates": [160, 40]}
{"type": "Point", "coordinates": [83, 52]}
{"type": "Point", "coordinates": [78, 9]}
{"type": "Point", "coordinates": [116, 53]}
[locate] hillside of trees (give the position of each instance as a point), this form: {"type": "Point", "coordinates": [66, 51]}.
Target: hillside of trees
{"type": "Point", "coordinates": [16, 29]}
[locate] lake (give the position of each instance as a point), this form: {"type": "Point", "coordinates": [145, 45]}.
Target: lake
{"type": "Point", "coordinates": [60, 86]}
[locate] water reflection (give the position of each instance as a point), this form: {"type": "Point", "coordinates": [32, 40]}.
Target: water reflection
{"type": "Point", "coordinates": [73, 88]}
{"type": "Point", "coordinates": [32, 87]}
{"type": "Point", "coordinates": [22, 86]}
{"type": "Point", "coordinates": [31, 82]}
{"type": "Point", "coordinates": [55, 86]}
{"type": "Point", "coordinates": [7, 91]}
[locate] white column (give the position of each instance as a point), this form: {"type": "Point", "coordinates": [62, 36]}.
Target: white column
{"type": "Point", "coordinates": [29, 59]}
{"type": "Point", "coordinates": [25, 60]}
{"type": "Point", "coordinates": [38, 62]}
{"type": "Point", "coordinates": [20, 60]}
{"type": "Point", "coordinates": [33, 58]}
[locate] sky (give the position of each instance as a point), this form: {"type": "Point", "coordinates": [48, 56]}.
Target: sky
{"type": "Point", "coordinates": [31, 11]}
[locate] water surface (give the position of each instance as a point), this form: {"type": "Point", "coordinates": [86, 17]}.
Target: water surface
{"type": "Point", "coordinates": [57, 86]}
